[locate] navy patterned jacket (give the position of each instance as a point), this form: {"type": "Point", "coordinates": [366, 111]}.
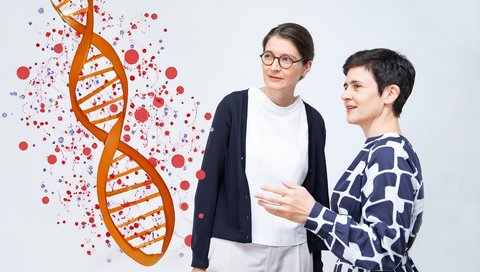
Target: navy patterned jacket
{"type": "Point", "coordinates": [376, 208]}
{"type": "Point", "coordinates": [222, 200]}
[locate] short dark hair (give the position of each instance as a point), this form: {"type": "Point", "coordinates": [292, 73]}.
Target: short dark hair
{"type": "Point", "coordinates": [388, 67]}
{"type": "Point", "coordinates": [298, 35]}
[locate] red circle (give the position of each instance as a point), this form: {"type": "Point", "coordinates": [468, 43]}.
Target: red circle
{"type": "Point", "coordinates": [141, 114]}
{"type": "Point", "coordinates": [201, 215]}
{"type": "Point", "coordinates": [178, 161]}
{"type": "Point", "coordinates": [171, 72]}
{"type": "Point", "coordinates": [158, 102]}
{"type": "Point", "coordinates": [23, 145]}
{"type": "Point", "coordinates": [126, 138]}
{"type": "Point", "coordinates": [188, 240]}
{"type": "Point", "coordinates": [87, 151]}
{"type": "Point", "coordinates": [23, 72]}
{"type": "Point", "coordinates": [200, 174]}
{"type": "Point", "coordinates": [52, 159]}
{"type": "Point", "coordinates": [184, 185]}
{"type": "Point", "coordinates": [131, 56]}
{"type": "Point", "coordinates": [208, 116]}
{"type": "Point", "coordinates": [113, 108]}
{"type": "Point", "coordinates": [91, 220]}
{"type": "Point", "coordinates": [58, 48]}
{"type": "Point", "coordinates": [153, 162]}
{"type": "Point", "coordinates": [154, 16]}
{"type": "Point", "coordinates": [184, 206]}
{"type": "Point", "coordinates": [180, 89]}
{"type": "Point", "coordinates": [45, 200]}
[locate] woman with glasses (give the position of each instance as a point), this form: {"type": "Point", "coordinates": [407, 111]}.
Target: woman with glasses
{"type": "Point", "coordinates": [260, 135]}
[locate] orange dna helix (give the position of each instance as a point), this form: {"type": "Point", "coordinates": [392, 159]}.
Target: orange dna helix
{"type": "Point", "coordinates": [134, 201]}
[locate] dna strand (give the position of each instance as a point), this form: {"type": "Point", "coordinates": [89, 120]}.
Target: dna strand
{"type": "Point", "coordinates": [142, 226]}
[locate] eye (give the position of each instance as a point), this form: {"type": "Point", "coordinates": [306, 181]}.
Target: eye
{"type": "Point", "coordinates": [285, 59]}
{"type": "Point", "coordinates": [267, 56]}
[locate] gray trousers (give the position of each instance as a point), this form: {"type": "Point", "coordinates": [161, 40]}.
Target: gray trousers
{"type": "Point", "coordinates": [228, 256]}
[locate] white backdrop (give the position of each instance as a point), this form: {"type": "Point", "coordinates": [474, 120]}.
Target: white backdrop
{"type": "Point", "coordinates": [215, 47]}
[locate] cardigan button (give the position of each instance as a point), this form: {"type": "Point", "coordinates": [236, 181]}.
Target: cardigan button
{"type": "Point", "coordinates": [241, 158]}
{"type": "Point", "coordinates": [246, 196]}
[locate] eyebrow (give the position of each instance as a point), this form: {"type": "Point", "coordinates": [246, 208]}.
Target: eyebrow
{"type": "Point", "coordinates": [285, 54]}
{"type": "Point", "coordinates": [352, 82]}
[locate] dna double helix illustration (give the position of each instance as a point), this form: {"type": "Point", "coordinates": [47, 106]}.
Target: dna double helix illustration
{"type": "Point", "coordinates": [135, 203]}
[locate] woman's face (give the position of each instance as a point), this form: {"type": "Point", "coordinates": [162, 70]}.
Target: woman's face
{"type": "Point", "coordinates": [280, 79]}
{"type": "Point", "coordinates": [363, 103]}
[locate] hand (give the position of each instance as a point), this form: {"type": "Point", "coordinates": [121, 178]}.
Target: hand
{"type": "Point", "coordinates": [195, 269]}
{"type": "Point", "coordinates": [293, 203]}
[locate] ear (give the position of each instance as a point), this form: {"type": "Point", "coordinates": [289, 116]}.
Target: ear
{"type": "Point", "coordinates": [306, 68]}
{"type": "Point", "coordinates": [390, 94]}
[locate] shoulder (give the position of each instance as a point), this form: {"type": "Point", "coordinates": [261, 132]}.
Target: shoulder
{"type": "Point", "coordinates": [313, 114]}
{"type": "Point", "coordinates": [391, 149]}
{"type": "Point", "coordinates": [232, 101]}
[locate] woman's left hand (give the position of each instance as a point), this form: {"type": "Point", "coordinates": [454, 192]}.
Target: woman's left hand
{"type": "Point", "coordinates": [293, 202]}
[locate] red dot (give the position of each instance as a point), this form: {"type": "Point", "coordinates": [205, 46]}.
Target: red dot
{"type": "Point", "coordinates": [141, 114]}
{"type": "Point", "coordinates": [184, 185]}
{"type": "Point", "coordinates": [200, 174]}
{"type": "Point", "coordinates": [208, 116]}
{"type": "Point", "coordinates": [131, 56]}
{"type": "Point", "coordinates": [91, 220]}
{"type": "Point", "coordinates": [45, 200]}
{"type": "Point", "coordinates": [126, 138]}
{"type": "Point", "coordinates": [154, 16]}
{"type": "Point", "coordinates": [180, 89]}
{"type": "Point", "coordinates": [188, 240]}
{"type": "Point", "coordinates": [153, 162]}
{"type": "Point", "coordinates": [52, 159]}
{"type": "Point", "coordinates": [178, 161]}
{"type": "Point", "coordinates": [87, 151]}
{"type": "Point", "coordinates": [23, 145]}
{"type": "Point", "coordinates": [23, 72]}
{"type": "Point", "coordinates": [113, 108]}
{"type": "Point", "coordinates": [171, 72]}
{"type": "Point", "coordinates": [184, 206]}
{"type": "Point", "coordinates": [201, 215]}
{"type": "Point", "coordinates": [58, 48]}
{"type": "Point", "coordinates": [158, 102]}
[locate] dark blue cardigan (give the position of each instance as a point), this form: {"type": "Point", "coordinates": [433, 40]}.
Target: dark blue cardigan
{"type": "Point", "coordinates": [222, 200]}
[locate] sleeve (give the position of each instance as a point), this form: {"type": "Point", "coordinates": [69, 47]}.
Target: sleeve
{"type": "Point", "coordinates": [206, 193]}
{"type": "Point", "coordinates": [320, 188]}
{"type": "Point", "coordinates": [379, 240]}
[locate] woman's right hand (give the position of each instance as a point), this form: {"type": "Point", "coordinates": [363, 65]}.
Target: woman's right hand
{"type": "Point", "coordinates": [195, 269]}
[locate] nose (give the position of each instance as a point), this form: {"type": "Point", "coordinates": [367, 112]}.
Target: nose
{"type": "Point", "coordinates": [346, 95]}
{"type": "Point", "coordinates": [276, 64]}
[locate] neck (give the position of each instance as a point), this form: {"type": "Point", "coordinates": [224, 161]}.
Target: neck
{"type": "Point", "coordinates": [382, 125]}
{"type": "Point", "coordinates": [282, 98]}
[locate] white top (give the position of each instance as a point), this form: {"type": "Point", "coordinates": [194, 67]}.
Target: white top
{"type": "Point", "coordinates": [276, 150]}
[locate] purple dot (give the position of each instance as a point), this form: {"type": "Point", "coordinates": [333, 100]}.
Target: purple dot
{"type": "Point", "coordinates": [41, 10]}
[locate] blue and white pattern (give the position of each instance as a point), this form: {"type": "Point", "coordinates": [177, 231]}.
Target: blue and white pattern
{"type": "Point", "coordinates": [376, 208]}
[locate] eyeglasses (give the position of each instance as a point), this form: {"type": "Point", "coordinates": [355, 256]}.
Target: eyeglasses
{"type": "Point", "coordinates": [285, 61]}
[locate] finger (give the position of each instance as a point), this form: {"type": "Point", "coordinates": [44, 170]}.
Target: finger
{"type": "Point", "coordinates": [273, 189]}
{"type": "Point", "coordinates": [290, 185]}
{"type": "Point", "coordinates": [273, 199]}
{"type": "Point", "coordinates": [269, 207]}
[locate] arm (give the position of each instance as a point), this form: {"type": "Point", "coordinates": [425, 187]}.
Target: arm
{"type": "Point", "coordinates": [378, 242]}
{"type": "Point", "coordinates": [206, 194]}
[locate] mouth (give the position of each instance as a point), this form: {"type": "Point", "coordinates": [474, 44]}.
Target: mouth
{"type": "Point", "coordinates": [350, 108]}
{"type": "Point", "coordinates": [275, 78]}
